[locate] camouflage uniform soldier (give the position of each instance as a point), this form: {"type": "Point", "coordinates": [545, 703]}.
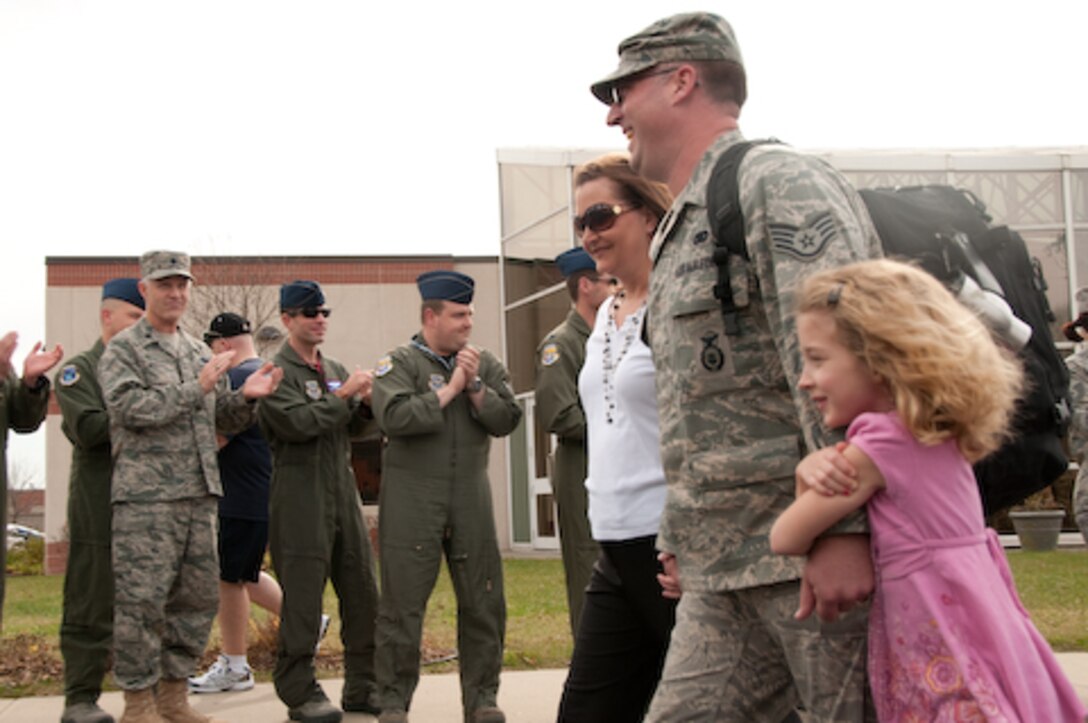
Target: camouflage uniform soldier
{"type": "Point", "coordinates": [732, 423]}
{"type": "Point", "coordinates": [559, 359]}
{"type": "Point", "coordinates": [316, 530]}
{"type": "Point", "coordinates": [87, 627]}
{"type": "Point", "coordinates": [23, 406]}
{"type": "Point", "coordinates": [1077, 330]}
{"type": "Point", "coordinates": [166, 400]}
{"type": "Point", "coordinates": [439, 401]}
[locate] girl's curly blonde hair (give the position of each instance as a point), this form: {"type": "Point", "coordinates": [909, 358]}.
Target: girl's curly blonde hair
{"type": "Point", "coordinates": [946, 374]}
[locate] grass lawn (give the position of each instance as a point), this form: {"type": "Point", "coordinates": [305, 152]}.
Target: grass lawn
{"type": "Point", "coordinates": [1052, 585]}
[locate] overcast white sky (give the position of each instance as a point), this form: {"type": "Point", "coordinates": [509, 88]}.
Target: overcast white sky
{"type": "Point", "coordinates": [310, 127]}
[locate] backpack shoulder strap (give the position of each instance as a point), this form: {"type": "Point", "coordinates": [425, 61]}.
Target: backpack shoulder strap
{"type": "Point", "coordinates": [727, 223]}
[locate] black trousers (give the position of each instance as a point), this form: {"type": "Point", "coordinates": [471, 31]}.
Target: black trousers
{"type": "Point", "coordinates": [622, 637]}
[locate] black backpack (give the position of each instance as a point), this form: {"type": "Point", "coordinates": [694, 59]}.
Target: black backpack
{"type": "Point", "coordinates": [948, 233]}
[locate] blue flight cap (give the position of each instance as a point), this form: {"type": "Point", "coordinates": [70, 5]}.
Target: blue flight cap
{"type": "Point", "coordinates": [123, 289]}
{"type": "Point", "coordinates": [446, 286]}
{"type": "Point", "coordinates": [576, 259]}
{"type": "Point", "coordinates": [301, 294]}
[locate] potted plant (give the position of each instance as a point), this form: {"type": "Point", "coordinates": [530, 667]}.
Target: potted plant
{"type": "Point", "coordinates": [1038, 521]}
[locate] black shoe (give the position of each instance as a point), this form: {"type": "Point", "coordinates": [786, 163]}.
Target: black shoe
{"type": "Point", "coordinates": [360, 706]}
{"type": "Point", "coordinates": [85, 713]}
{"type": "Point", "coordinates": [316, 710]}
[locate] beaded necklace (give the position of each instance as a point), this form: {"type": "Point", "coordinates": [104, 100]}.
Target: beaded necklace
{"type": "Point", "coordinates": [628, 331]}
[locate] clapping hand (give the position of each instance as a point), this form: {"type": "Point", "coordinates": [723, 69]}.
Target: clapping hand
{"type": "Point", "coordinates": [38, 362]}
{"type": "Point", "coordinates": [262, 382]}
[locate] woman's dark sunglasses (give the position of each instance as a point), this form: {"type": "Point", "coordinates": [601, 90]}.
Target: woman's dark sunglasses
{"type": "Point", "coordinates": [311, 312]}
{"type": "Point", "coordinates": [599, 217]}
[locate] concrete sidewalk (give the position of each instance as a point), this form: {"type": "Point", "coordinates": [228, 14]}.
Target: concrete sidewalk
{"type": "Point", "coordinates": [530, 696]}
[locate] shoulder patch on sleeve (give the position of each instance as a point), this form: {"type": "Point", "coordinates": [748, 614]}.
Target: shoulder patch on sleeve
{"type": "Point", "coordinates": [69, 375]}
{"type": "Point", "coordinates": [549, 354]}
{"type": "Point", "coordinates": [806, 242]}
{"type": "Point", "coordinates": [385, 365]}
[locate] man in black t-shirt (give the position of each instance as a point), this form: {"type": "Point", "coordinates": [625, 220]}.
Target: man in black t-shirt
{"type": "Point", "coordinates": [245, 467]}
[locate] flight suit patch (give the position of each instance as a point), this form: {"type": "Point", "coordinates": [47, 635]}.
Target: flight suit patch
{"type": "Point", "coordinates": [69, 375]}
{"type": "Point", "coordinates": [549, 355]}
{"type": "Point", "coordinates": [385, 365]}
{"type": "Point", "coordinates": [313, 389]}
{"type": "Point", "coordinates": [436, 382]}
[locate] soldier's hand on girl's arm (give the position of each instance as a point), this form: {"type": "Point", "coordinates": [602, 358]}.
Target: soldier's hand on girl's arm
{"type": "Point", "coordinates": [38, 362]}
{"type": "Point", "coordinates": [838, 575]}
{"type": "Point", "coordinates": [827, 471]}
{"type": "Point", "coordinates": [262, 382]}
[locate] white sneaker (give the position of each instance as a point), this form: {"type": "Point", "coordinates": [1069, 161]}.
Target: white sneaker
{"type": "Point", "coordinates": [221, 678]}
{"type": "Point", "coordinates": [325, 620]}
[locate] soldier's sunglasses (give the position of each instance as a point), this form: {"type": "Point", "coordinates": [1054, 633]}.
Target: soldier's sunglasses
{"type": "Point", "coordinates": [599, 217]}
{"type": "Point", "coordinates": [311, 312]}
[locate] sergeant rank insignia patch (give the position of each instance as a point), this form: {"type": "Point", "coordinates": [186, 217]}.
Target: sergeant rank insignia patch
{"type": "Point", "coordinates": [313, 389]}
{"type": "Point", "coordinates": [69, 375]}
{"type": "Point", "coordinates": [549, 355]}
{"type": "Point", "coordinates": [806, 242]}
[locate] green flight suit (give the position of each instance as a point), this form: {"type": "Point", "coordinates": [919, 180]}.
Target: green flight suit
{"type": "Point", "coordinates": [86, 628]}
{"type": "Point", "coordinates": [559, 359]}
{"type": "Point", "coordinates": [316, 528]}
{"type": "Point", "coordinates": [435, 500]}
{"type": "Point", "coordinates": [22, 409]}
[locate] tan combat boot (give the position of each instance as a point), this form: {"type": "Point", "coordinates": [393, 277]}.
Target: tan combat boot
{"type": "Point", "coordinates": [140, 707]}
{"type": "Point", "coordinates": [173, 702]}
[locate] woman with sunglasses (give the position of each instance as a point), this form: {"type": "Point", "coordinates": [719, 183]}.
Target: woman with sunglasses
{"type": "Point", "coordinates": [624, 630]}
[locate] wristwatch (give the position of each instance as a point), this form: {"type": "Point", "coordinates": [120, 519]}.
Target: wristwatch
{"type": "Point", "coordinates": [476, 385]}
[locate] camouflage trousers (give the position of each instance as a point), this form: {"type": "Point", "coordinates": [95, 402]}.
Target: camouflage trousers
{"type": "Point", "coordinates": [1080, 500]}
{"type": "Point", "coordinates": [166, 579]}
{"type": "Point", "coordinates": [740, 656]}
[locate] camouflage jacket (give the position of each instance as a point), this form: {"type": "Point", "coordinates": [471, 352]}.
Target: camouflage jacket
{"type": "Point", "coordinates": [162, 424]}
{"type": "Point", "coordinates": [428, 442]}
{"type": "Point", "coordinates": [1078, 399]}
{"type": "Point", "coordinates": [559, 358]}
{"type": "Point", "coordinates": [733, 423]}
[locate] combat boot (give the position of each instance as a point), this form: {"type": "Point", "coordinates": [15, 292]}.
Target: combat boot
{"type": "Point", "coordinates": [488, 714]}
{"type": "Point", "coordinates": [85, 712]}
{"type": "Point", "coordinates": [393, 716]}
{"type": "Point", "coordinates": [140, 707]}
{"type": "Point", "coordinates": [173, 703]}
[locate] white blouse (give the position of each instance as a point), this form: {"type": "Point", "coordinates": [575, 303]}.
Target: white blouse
{"type": "Point", "coordinates": [626, 482]}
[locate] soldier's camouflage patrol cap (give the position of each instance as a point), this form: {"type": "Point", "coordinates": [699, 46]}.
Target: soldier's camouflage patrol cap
{"type": "Point", "coordinates": [160, 264]}
{"type": "Point", "coordinates": [685, 37]}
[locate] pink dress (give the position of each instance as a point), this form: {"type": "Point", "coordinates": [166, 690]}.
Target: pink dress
{"type": "Point", "coordinates": [948, 637]}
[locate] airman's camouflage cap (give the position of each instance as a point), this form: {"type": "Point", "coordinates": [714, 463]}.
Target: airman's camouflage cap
{"type": "Point", "coordinates": [160, 264]}
{"type": "Point", "coordinates": [684, 37]}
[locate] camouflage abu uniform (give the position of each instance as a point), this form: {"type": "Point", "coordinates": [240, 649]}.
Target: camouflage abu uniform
{"type": "Point", "coordinates": [22, 409]}
{"type": "Point", "coordinates": [559, 359]}
{"type": "Point", "coordinates": [316, 528]}
{"type": "Point", "coordinates": [165, 485]}
{"type": "Point", "coordinates": [435, 500]}
{"type": "Point", "coordinates": [87, 627]}
{"type": "Point", "coordinates": [734, 426]}
{"type": "Point", "coordinates": [1078, 430]}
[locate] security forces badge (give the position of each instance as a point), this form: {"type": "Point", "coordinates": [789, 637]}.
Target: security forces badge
{"type": "Point", "coordinates": [313, 389]}
{"type": "Point", "coordinates": [69, 375]}
{"type": "Point", "coordinates": [549, 354]}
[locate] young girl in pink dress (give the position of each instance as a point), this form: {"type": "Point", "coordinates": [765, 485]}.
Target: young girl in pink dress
{"type": "Point", "coordinates": [924, 392]}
